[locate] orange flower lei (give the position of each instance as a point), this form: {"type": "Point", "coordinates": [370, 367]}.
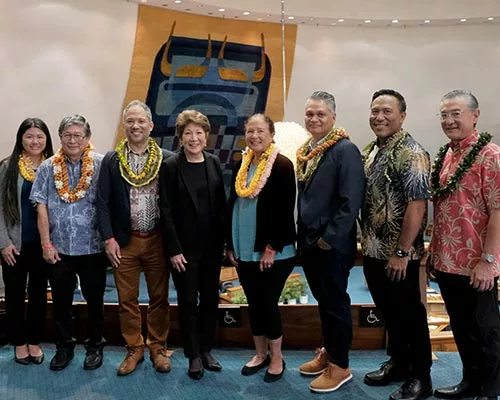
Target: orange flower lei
{"type": "Point", "coordinates": [61, 176]}
{"type": "Point", "coordinates": [313, 158]}
{"type": "Point", "coordinates": [26, 168]}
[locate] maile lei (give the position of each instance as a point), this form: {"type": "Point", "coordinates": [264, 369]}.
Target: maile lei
{"type": "Point", "coordinates": [439, 191]}
{"type": "Point", "coordinates": [26, 167]}
{"type": "Point", "coordinates": [261, 175]}
{"type": "Point", "coordinates": [61, 175]}
{"type": "Point", "coordinates": [150, 170]}
{"type": "Point", "coordinates": [314, 157]}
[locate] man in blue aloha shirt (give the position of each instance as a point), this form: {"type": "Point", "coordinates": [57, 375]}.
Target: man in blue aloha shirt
{"type": "Point", "coordinates": [65, 191]}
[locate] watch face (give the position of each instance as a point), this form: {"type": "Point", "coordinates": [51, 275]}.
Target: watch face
{"type": "Point", "coordinates": [489, 258]}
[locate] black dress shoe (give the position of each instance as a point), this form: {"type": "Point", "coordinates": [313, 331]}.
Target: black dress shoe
{"type": "Point", "coordinates": [413, 389]}
{"type": "Point", "coordinates": [210, 362]}
{"type": "Point", "coordinates": [388, 372]}
{"type": "Point", "coordinates": [458, 391]}
{"type": "Point", "coordinates": [61, 359]}
{"type": "Point", "coordinates": [256, 368]}
{"type": "Point", "coordinates": [37, 359]}
{"type": "Point", "coordinates": [486, 398]}
{"type": "Point", "coordinates": [268, 377]}
{"type": "Point", "coordinates": [195, 368]}
{"type": "Point", "coordinates": [93, 358]}
{"type": "Point", "coordinates": [24, 361]}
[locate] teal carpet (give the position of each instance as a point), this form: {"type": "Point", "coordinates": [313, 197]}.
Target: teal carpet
{"type": "Point", "coordinates": [37, 382]}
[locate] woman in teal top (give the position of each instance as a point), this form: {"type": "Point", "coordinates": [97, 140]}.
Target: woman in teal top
{"type": "Point", "coordinates": [21, 251]}
{"type": "Point", "coordinates": [261, 241]}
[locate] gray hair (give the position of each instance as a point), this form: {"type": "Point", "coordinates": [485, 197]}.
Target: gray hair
{"type": "Point", "coordinates": [75, 119]}
{"type": "Point", "coordinates": [326, 97]}
{"type": "Point", "coordinates": [471, 100]}
{"type": "Point", "coordinates": [139, 103]}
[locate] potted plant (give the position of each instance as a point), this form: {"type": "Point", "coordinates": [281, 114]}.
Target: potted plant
{"type": "Point", "coordinates": [239, 298]}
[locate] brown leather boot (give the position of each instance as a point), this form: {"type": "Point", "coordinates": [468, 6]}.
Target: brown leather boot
{"type": "Point", "coordinates": [135, 355]}
{"type": "Point", "coordinates": [161, 362]}
{"type": "Point", "coordinates": [317, 365]}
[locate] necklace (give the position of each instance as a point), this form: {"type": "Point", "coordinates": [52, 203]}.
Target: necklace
{"type": "Point", "coordinates": [61, 179]}
{"type": "Point", "coordinates": [26, 167]}
{"type": "Point", "coordinates": [261, 175]}
{"type": "Point", "coordinates": [150, 170]}
{"type": "Point", "coordinates": [438, 191]}
{"type": "Point", "coordinates": [314, 157]}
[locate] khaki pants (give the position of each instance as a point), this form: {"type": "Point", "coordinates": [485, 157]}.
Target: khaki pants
{"type": "Point", "coordinates": [143, 254]}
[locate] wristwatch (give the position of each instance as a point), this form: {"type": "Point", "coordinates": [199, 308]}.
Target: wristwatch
{"type": "Point", "coordinates": [489, 258]}
{"type": "Point", "coordinates": [401, 253]}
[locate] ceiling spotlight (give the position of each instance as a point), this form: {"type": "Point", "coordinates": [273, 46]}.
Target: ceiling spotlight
{"type": "Point", "coordinates": [341, 20]}
{"type": "Point", "coordinates": [463, 20]}
{"type": "Point", "coordinates": [427, 21]}
{"type": "Point", "coordinates": [491, 19]}
{"type": "Point", "coordinates": [291, 17]}
{"type": "Point", "coordinates": [367, 21]}
{"type": "Point", "coordinates": [395, 21]}
{"type": "Point", "coordinates": [246, 13]}
{"type": "Point", "coordinates": [222, 9]}
{"type": "Point", "coordinates": [177, 1]}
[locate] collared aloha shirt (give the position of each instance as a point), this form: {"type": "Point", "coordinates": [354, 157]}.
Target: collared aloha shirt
{"type": "Point", "coordinates": [461, 219]}
{"type": "Point", "coordinates": [397, 172]}
{"type": "Point", "coordinates": [72, 226]}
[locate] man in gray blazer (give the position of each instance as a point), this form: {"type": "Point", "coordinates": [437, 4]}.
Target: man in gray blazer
{"type": "Point", "coordinates": [331, 187]}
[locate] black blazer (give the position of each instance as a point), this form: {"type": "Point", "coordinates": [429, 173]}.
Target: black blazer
{"type": "Point", "coordinates": [179, 209]}
{"type": "Point", "coordinates": [329, 203]}
{"type": "Point", "coordinates": [113, 200]}
{"type": "Point", "coordinates": [275, 208]}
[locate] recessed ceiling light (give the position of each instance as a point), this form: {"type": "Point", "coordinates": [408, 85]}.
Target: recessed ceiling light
{"type": "Point", "coordinates": [463, 20]}
{"type": "Point", "coordinates": [395, 21]}
{"type": "Point", "coordinates": [311, 19]}
{"type": "Point", "coordinates": [333, 23]}
{"type": "Point", "coordinates": [291, 17]}
{"type": "Point", "coordinates": [259, 19]}
{"type": "Point", "coordinates": [491, 19]}
{"type": "Point", "coordinates": [246, 13]}
{"type": "Point", "coordinates": [427, 21]}
{"type": "Point", "coordinates": [367, 21]}
{"type": "Point", "coordinates": [144, 1]}
{"type": "Point", "coordinates": [177, 1]}
{"type": "Point", "coordinates": [222, 9]}
{"type": "Point", "coordinates": [341, 20]}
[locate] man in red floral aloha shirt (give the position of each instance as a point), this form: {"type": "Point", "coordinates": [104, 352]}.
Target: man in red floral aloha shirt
{"type": "Point", "coordinates": [465, 247]}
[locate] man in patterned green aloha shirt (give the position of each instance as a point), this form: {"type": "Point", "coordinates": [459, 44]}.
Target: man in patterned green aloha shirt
{"type": "Point", "coordinates": [397, 172]}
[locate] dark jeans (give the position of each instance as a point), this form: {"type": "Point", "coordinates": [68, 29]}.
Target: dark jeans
{"type": "Point", "coordinates": [263, 290]}
{"type": "Point", "coordinates": [475, 322]}
{"type": "Point", "coordinates": [198, 301]}
{"type": "Point", "coordinates": [91, 269]}
{"type": "Point", "coordinates": [26, 324]}
{"type": "Point", "coordinates": [404, 314]}
{"type": "Point", "coordinates": [327, 273]}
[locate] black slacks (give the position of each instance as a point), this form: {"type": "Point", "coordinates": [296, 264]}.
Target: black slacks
{"type": "Point", "coordinates": [263, 289]}
{"type": "Point", "coordinates": [198, 300]}
{"type": "Point", "coordinates": [25, 324]}
{"type": "Point", "coordinates": [475, 322]}
{"type": "Point", "coordinates": [327, 273]}
{"type": "Point", "coordinates": [404, 314]}
{"type": "Point", "coordinates": [91, 269]}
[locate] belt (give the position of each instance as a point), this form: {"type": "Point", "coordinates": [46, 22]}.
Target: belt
{"type": "Point", "coordinates": [145, 235]}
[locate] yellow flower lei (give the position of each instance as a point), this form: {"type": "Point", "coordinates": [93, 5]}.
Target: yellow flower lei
{"type": "Point", "coordinates": [314, 157]}
{"type": "Point", "coordinates": [26, 168]}
{"type": "Point", "coordinates": [151, 168]}
{"type": "Point", "coordinates": [241, 178]}
{"type": "Point", "coordinates": [61, 179]}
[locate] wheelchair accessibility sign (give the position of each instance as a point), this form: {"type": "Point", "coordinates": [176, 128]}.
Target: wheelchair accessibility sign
{"type": "Point", "coordinates": [229, 317]}
{"type": "Point", "coordinates": [369, 317]}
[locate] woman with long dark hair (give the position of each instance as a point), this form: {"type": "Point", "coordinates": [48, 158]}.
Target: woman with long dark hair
{"type": "Point", "coordinates": [21, 250]}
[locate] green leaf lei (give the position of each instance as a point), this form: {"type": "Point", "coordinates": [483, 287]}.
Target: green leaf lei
{"type": "Point", "coordinates": [452, 184]}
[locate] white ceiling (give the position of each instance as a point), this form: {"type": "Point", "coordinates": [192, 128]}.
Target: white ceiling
{"type": "Point", "coordinates": [380, 13]}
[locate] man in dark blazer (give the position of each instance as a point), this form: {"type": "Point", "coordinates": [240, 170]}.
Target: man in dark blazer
{"type": "Point", "coordinates": [331, 188]}
{"type": "Point", "coordinates": [129, 219]}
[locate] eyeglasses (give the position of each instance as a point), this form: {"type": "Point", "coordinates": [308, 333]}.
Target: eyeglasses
{"type": "Point", "coordinates": [455, 114]}
{"type": "Point", "coordinates": [66, 138]}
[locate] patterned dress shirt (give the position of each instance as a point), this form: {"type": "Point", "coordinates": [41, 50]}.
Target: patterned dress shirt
{"type": "Point", "coordinates": [72, 226]}
{"type": "Point", "coordinates": [397, 172]}
{"type": "Point", "coordinates": [144, 200]}
{"type": "Point", "coordinates": [461, 219]}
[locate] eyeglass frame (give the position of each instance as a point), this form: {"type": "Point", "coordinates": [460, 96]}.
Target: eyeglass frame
{"type": "Point", "coordinates": [455, 114]}
{"type": "Point", "coordinates": [66, 137]}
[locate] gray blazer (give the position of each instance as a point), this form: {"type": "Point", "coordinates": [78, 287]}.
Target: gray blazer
{"type": "Point", "coordinates": [9, 234]}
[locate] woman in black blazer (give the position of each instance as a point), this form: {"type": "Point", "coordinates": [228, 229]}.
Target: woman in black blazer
{"type": "Point", "coordinates": [261, 241]}
{"type": "Point", "coordinates": [193, 206]}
